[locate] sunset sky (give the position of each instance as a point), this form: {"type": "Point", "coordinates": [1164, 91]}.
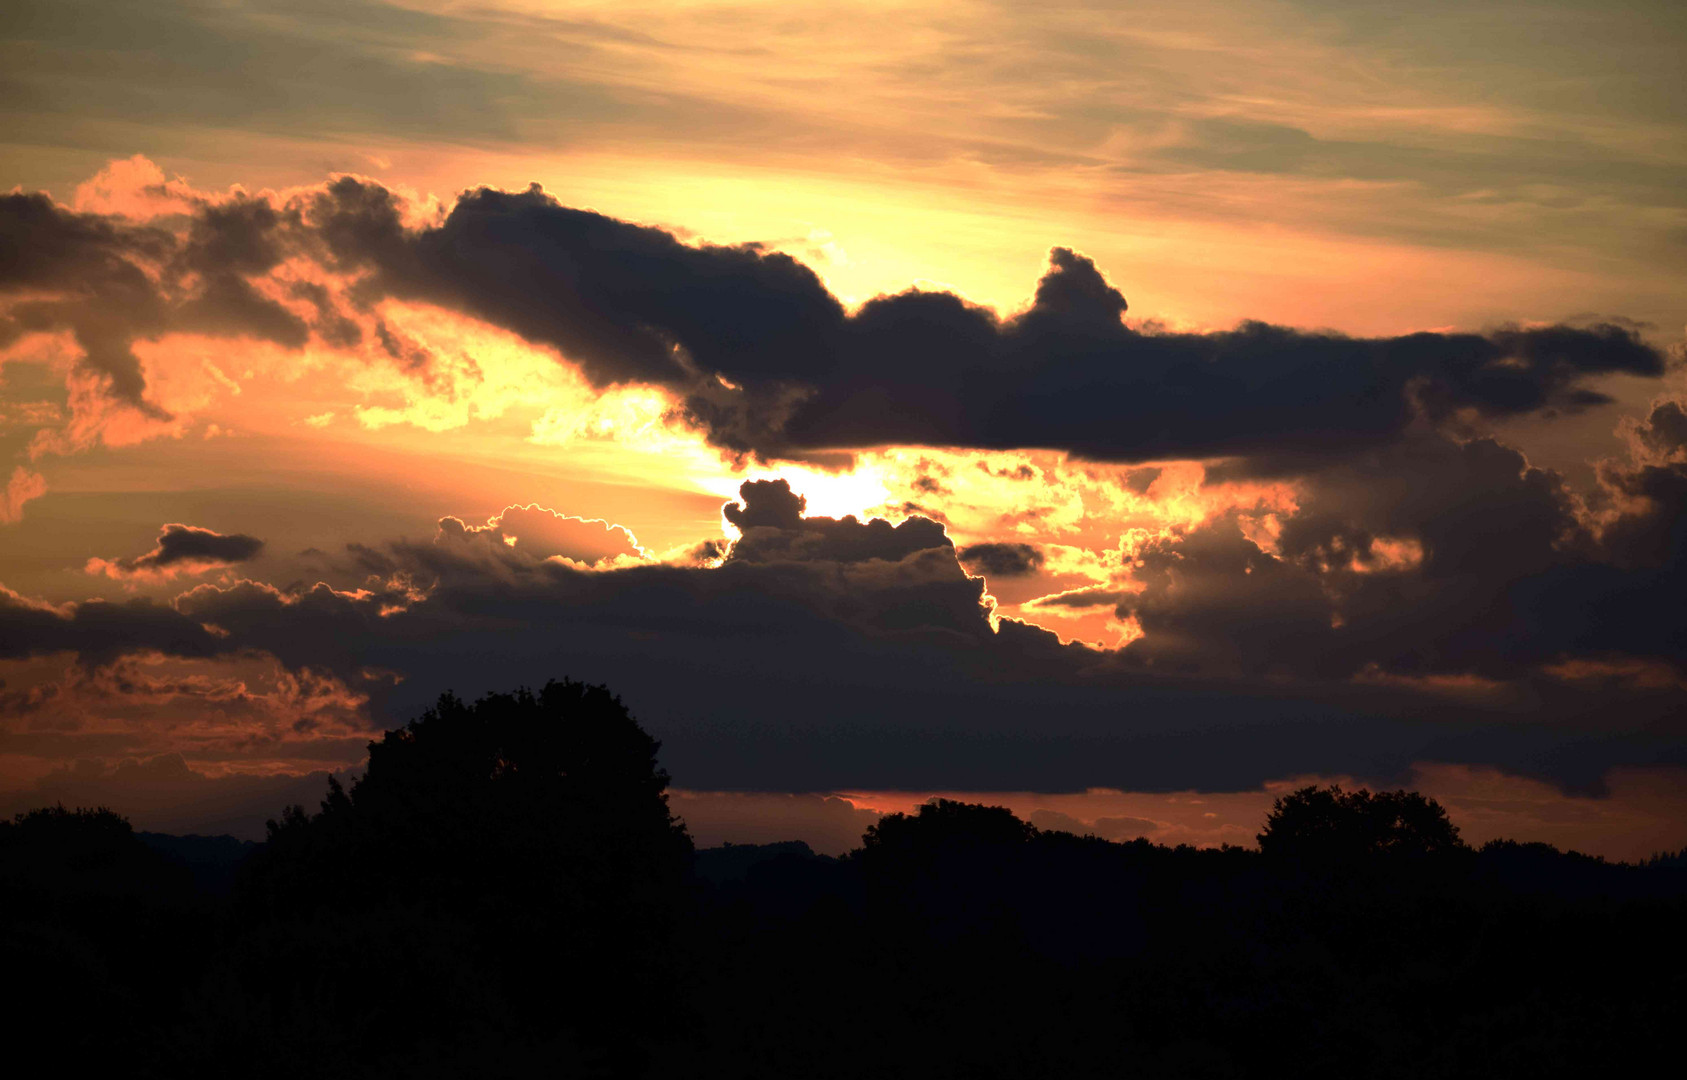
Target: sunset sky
{"type": "Point", "coordinates": [1120, 412]}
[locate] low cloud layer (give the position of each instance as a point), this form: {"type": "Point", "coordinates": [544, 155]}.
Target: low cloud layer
{"type": "Point", "coordinates": [831, 654]}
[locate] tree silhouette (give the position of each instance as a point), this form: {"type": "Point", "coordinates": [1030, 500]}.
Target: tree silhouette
{"type": "Point", "coordinates": [945, 825]}
{"type": "Point", "coordinates": [523, 839]}
{"type": "Point", "coordinates": [1327, 824]}
{"type": "Point", "coordinates": [505, 892]}
{"type": "Point", "coordinates": [80, 840]}
{"type": "Point", "coordinates": [552, 797]}
{"type": "Point", "coordinates": [84, 852]}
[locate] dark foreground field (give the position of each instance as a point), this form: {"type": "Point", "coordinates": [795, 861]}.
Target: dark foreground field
{"type": "Point", "coordinates": [504, 893]}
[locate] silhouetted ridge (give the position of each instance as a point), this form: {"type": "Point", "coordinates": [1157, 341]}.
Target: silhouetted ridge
{"type": "Point", "coordinates": [735, 862]}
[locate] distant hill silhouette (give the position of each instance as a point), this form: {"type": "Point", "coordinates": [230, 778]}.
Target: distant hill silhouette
{"type": "Point", "coordinates": [735, 862]}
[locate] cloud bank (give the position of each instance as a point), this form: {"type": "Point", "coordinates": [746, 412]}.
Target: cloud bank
{"type": "Point", "coordinates": [1360, 576]}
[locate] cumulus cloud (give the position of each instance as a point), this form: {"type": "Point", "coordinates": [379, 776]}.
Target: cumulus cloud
{"type": "Point", "coordinates": [1437, 559]}
{"type": "Point", "coordinates": [181, 549]}
{"type": "Point", "coordinates": [773, 528]}
{"type": "Point", "coordinates": [544, 533]}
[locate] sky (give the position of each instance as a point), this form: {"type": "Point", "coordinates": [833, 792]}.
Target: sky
{"type": "Point", "coordinates": [1125, 413]}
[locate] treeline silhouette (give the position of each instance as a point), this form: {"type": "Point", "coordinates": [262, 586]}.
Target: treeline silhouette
{"type": "Point", "coordinates": [504, 892]}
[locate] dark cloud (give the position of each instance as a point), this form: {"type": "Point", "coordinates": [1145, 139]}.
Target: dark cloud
{"type": "Point", "coordinates": [767, 504]}
{"type": "Point", "coordinates": [626, 302]}
{"type": "Point", "coordinates": [99, 631]}
{"type": "Point", "coordinates": [774, 531]}
{"type": "Point", "coordinates": [1433, 559]}
{"type": "Point", "coordinates": [184, 548]}
{"type": "Point", "coordinates": [1648, 528]}
{"type": "Point", "coordinates": [111, 283]}
{"type": "Point", "coordinates": [1216, 603]}
{"type": "Point", "coordinates": [802, 377]}
{"type": "Point", "coordinates": [97, 267]}
{"type": "Point", "coordinates": [1002, 559]}
{"type": "Point", "coordinates": [188, 543]}
{"type": "Point", "coordinates": [827, 655]}
{"type": "Point", "coordinates": [632, 303]}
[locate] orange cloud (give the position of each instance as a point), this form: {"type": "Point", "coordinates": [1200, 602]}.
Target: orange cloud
{"type": "Point", "coordinates": [23, 486]}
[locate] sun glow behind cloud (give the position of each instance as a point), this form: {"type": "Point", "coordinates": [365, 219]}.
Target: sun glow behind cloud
{"type": "Point", "coordinates": [396, 374]}
{"type": "Point", "coordinates": [420, 404]}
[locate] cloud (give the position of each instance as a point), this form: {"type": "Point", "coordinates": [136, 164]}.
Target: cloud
{"type": "Point", "coordinates": [761, 357]}
{"type": "Point", "coordinates": [1088, 597]}
{"type": "Point", "coordinates": [774, 530]}
{"type": "Point", "coordinates": [827, 654]}
{"type": "Point", "coordinates": [181, 549]}
{"type": "Point", "coordinates": [109, 282]}
{"type": "Point", "coordinates": [1435, 558]}
{"type": "Point", "coordinates": [633, 303]}
{"type": "Point", "coordinates": [545, 533]}
{"type": "Point", "coordinates": [1411, 590]}
{"type": "Point", "coordinates": [237, 712]}
{"type": "Point", "coordinates": [24, 485]}
{"type": "Point", "coordinates": [99, 631]}
{"type": "Point", "coordinates": [994, 559]}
